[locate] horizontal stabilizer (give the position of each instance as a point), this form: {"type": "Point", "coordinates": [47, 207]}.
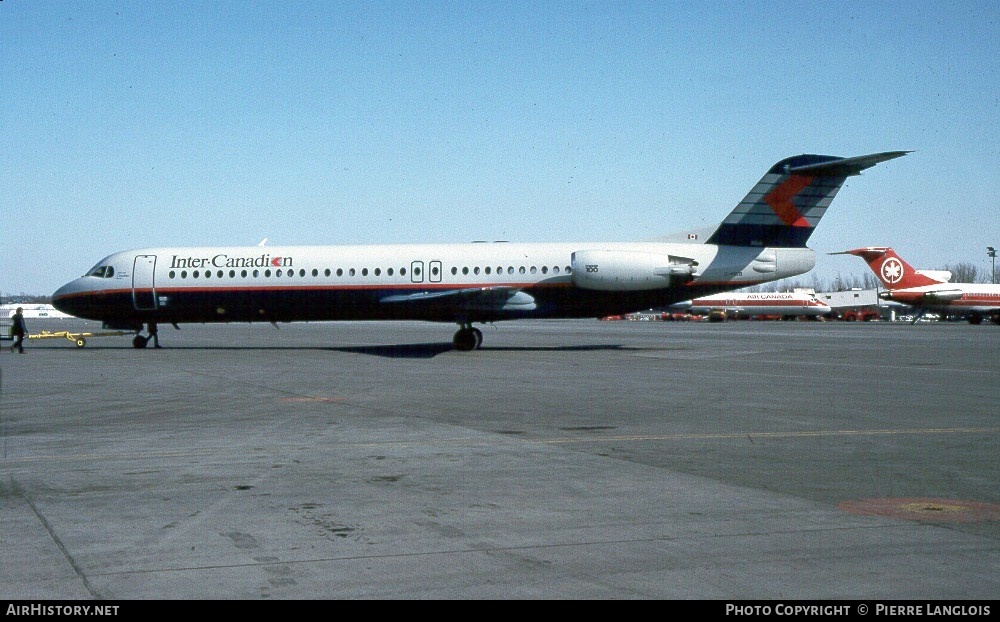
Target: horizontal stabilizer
{"type": "Point", "coordinates": [845, 167]}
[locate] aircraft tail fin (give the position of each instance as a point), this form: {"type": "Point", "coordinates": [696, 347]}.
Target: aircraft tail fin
{"type": "Point", "coordinates": [789, 201]}
{"type": "Point", "coordinates": [892, 270]}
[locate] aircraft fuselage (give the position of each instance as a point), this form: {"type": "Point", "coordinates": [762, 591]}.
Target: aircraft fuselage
{"type": "Point", "coordinates": [475, 282]}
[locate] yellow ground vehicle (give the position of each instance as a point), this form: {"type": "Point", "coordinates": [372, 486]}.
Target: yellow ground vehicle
{"type": "Point", "coordinates": [79, 339]}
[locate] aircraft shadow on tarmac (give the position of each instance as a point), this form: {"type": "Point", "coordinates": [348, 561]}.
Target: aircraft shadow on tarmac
{"type": "Point", "coordinates": [430, 350]}
{"type": "Point", "coordinates": [405, 350]}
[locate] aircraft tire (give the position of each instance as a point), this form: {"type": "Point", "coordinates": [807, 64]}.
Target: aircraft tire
{"type": "Point", "coordinates": [139, 342]}
{"type": "Point", "coordinates": [465, 340]}
{"type": "Point", "coordinates": [479, 337]}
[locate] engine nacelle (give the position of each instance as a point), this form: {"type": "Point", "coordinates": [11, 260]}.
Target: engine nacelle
{"type": "Point", "coordinates": [614, 270]}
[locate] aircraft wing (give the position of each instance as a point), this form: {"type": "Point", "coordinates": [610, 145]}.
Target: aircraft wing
{"type": "Point", "coordinates": [472, 299]}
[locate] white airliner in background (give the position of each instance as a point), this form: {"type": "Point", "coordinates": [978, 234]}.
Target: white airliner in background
{"type": "Point", "coordinates": [32, 310]}
{"type": "Point", "coordinates": [744, 304]}
{"type": "Point", "coordinates": [930, 290]}
{"type": "Point", "coordinates": [763, 239]}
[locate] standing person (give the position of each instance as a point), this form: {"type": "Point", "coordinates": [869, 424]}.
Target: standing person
{"type": "Point", "coordinates": [19, 330]}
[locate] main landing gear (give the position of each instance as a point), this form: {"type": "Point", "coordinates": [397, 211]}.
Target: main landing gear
{"type": "Point", "coordinates": [468, 338]}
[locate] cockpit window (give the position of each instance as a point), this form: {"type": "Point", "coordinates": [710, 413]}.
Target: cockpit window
{"type": "Point", "coordinates": [102, 270]}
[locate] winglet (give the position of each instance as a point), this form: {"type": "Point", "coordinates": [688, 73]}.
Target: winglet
{"type": "Point", "coordinates": [868, 253]}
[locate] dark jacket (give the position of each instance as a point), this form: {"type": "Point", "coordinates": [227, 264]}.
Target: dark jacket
{"type": "Point", "coordinates": [18, 329]}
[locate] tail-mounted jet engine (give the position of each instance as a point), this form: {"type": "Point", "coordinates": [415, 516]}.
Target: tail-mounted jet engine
{"type": "Point", "coordinates": [616, 270]}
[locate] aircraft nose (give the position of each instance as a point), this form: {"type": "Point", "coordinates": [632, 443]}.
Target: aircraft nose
{"type": "Point", "coordinates": [63, 300]}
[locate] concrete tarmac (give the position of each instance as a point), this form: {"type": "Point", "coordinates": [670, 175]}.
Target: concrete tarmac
{"type": "Point", "coordinates": [564, 460]}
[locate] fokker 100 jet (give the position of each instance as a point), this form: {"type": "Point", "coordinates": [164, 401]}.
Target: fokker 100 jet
{"type": "Point", "coordinates": [763, 239]}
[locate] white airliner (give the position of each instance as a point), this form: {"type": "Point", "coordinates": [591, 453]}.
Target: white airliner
{"type": "Point", "coordinates": [763, 239]}
{"type": "Point", "coordinates": [930, 290]}
{"type": "Point", "coordinates": [32, 311]}
{"type": "Point", "coordinates": [744, 304]}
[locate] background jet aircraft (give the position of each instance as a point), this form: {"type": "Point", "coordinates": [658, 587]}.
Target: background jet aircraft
{"type": "Point", "coordinates": [930, 290]}
{"type": "Point", "coordinates": [762, 239]}
{"type": "Point", "coordinates": [785, 304]}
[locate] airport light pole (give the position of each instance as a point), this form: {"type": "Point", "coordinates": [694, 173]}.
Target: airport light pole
{"type": "Point", "coordinates": [992, 252]}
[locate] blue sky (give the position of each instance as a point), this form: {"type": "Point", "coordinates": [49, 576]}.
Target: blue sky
{"type": "Point", "coordinates": [131, 124]}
